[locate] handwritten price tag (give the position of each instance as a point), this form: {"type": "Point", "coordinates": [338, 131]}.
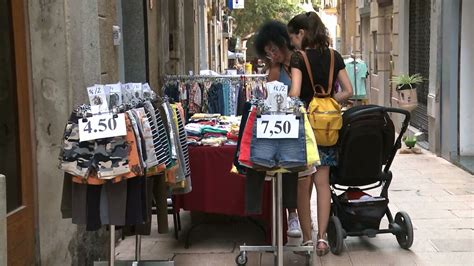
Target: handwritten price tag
{"type": "Point", "coordinates": [102, 126]}
{"type": "Point", "coordinates": [277, 96]}
{"type": "Point", "coordinates": [277, 127]}
{"type": "Point", "coordinates": [98, 99]}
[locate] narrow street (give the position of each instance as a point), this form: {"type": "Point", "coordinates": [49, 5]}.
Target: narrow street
{"type": "Point", "coordinates": [438, 196]}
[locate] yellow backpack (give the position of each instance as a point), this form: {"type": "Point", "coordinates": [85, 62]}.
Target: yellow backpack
{"type": "Point", "coordinates": [324, 113]}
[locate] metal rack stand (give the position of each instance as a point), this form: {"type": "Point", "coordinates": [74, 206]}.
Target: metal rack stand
{"type": "Point", "coordinates": [137, 261]}
{"type": "Point", "coordinates": [277, 231]}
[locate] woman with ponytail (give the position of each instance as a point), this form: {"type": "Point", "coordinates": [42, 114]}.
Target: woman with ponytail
{"type": "Point", "coordinates": [309, 35]}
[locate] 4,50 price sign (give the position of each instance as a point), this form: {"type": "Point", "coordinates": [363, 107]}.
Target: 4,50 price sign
{"type": "Point", "coordinates": [102, 126]}
{"type": "Point", "coordinates": [277, 127]}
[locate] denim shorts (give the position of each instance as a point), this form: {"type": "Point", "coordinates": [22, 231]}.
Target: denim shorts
{"type": "Point", "coordinates": [328, 155]}
{"type": "Point", "coordinates": [279, 153]}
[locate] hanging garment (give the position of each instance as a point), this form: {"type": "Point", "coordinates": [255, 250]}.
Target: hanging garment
{"type": "Point", "coordinates": [357, 72]}
{"type": "Point", "coordinates": [279, 153]}
{"type": "Point", "coordinates": [245, 143]}
{"type": "Point", "coordinates": [312, 154]}
{"type": "Point", "coordinates": [195, 98]}
{"type": "Point", "coordinates": [138, 136]}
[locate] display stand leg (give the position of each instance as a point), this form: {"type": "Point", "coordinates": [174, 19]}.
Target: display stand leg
{"type": "Point", "coordinates": [138, 247]}
{"type": "Point", "coordinates": [137, 261]}
{"type": "Point", "coordinates": [112, 246]}
{"type": "Point", "coordinates": [277, 231]}
{"type": "Point", "coordinates": [274, 210]}
{"type": "Point", "coordinates": [279, 214]}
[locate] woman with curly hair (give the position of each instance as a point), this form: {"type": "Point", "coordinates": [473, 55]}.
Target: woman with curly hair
{"type": "Point", "coordinates": [273, 43]}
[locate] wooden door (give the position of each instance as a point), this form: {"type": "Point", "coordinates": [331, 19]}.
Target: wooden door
{"type": "Point", "coordinates": [15, 134]}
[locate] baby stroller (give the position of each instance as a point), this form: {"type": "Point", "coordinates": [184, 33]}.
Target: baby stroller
{"type": "Point", "coordinates": [366, 149]}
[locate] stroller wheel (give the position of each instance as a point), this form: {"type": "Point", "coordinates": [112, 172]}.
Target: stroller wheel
{"type": "Point", "coordinates": [405, 237]}
{"type": "Point", "coordinates": [335, 235]}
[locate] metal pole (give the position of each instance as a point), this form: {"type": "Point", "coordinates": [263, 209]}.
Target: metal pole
{"type": "Point", "coordinates": [112, 245]}
{"type": "Point", "coordinates": [274, 217]}
{"type": "Point", "coordinates": [138, 247]}
{"type": "Point", "coordinates": [280, 220]}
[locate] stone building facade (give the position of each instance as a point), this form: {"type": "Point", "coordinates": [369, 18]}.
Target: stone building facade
{"type": "Point", "coordinates": [58, 48]}
{"type": "Point", "coordinates": [429, 37]}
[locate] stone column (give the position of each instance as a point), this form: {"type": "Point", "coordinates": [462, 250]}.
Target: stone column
{"type": "Point", "coordinates": [203, 35]}
{"type": "Point", "coordinates": [434, 95]}
{"type": "Point", "coordinates": [152, 16]}
{"type": "Point", "coordinates": [70, 50]}
{"type": "Point", "coordinates": [450, 77]}
{"type": "Point", "coordinates": [163, 38]}
{"type": "Point", "coordinates": [191, 36]}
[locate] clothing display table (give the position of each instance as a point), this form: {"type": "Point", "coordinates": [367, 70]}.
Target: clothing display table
{"type": "Point", "coordinates": [216, 190]}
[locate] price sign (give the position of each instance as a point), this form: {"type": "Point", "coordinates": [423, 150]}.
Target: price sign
{"type": "Point", "coordinates": [102, 126]}
{"type": "Point", "coordinates": [114, 92]}
{"type": "Point", "coordinates": [277, 96]}
{"type": "Point", "coordinates": [98, 98]}
{"type": "Point", "coordinates": [277, 127]}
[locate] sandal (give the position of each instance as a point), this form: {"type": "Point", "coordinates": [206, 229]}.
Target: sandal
{"type": "Point", "coordinates": [322, 251]}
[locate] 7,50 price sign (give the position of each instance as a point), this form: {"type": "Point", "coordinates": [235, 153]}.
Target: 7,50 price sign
{"type": "Point", "coordinates": [102, 126]}
{"type": "Point", "coordinates": [277, 127]}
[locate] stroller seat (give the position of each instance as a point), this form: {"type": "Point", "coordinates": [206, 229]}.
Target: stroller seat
{"type": "Point", "coordinates": [366, 149]}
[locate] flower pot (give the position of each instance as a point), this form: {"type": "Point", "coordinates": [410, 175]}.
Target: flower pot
{"type": "Point", "coordinates": [407, 98]}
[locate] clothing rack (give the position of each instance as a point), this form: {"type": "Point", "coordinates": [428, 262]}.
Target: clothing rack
{"type": "Point", "coordinates": [137, 261]}
{"type": "Point", "coordinates": [276, 247]}
{"type": "Point", "coordinates": [241, 88]}
{"type": "Point", "coordinates": [174, 77]}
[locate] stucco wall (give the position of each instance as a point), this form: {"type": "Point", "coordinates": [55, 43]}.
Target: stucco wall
{"type": "Point", "coordinates": [67, 55]}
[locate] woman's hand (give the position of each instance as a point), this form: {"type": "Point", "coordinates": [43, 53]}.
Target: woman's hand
{"type": "Point", "coordinates": [346, 86]}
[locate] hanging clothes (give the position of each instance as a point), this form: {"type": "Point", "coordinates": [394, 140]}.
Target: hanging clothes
{"type": "Point", "coordinates": [357, 72]}
{"type": "Point", "coordinates": [108, 176]}
{"type": "Point", "coordinates": [220, 95]}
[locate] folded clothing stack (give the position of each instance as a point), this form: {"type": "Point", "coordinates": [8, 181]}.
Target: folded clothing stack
{"type": "Point", "coordinates": [212, 130]}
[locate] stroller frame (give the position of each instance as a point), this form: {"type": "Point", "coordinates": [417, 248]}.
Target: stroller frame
{"type": "Point", "coordinates": [362, 217]}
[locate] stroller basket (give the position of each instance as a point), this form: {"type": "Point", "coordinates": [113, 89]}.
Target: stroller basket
{"type": "Point", "coordinates": [358, 215]}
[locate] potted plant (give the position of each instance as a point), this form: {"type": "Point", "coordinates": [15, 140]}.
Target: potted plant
{"type": "Point", "coordinates": [407, 82]}
{"type": "Point", "coordinates": [406, 89]}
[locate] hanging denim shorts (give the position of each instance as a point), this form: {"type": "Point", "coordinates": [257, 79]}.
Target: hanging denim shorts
{"type": "Point", "coordinates": [279, 153]}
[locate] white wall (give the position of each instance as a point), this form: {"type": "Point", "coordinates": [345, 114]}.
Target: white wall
{"type": "Point", "coordinates": [466, 106]}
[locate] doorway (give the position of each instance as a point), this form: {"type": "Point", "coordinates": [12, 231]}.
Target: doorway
{"type": "Point", "coordinates": [15, 134]}
{"type": "Point", "coordinates": [419, 58]}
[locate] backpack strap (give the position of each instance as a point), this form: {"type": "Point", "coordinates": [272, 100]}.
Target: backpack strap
{"type": "Point", "coordinates": [325, 92]}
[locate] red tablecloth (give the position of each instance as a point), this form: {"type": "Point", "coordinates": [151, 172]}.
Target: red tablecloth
{"type": "Point", "coordinates": [216, 190]}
